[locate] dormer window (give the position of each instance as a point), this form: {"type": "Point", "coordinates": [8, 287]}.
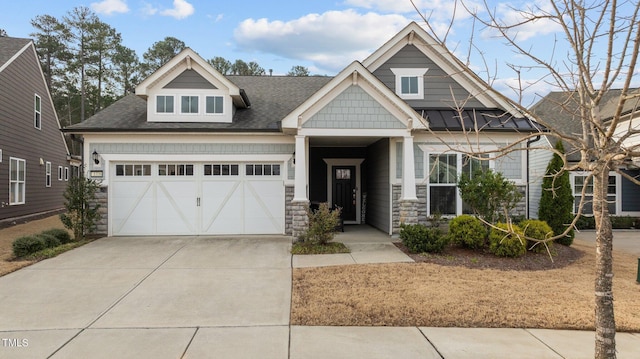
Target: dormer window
{"type": "Point", "coordinates": [189, 104]}
{"type": "Point", "coordinates": [215, 105]}
{"type": "Point", "coordinates": [164, 104]}
{"type": "Point", "coordinates": [410, 83]}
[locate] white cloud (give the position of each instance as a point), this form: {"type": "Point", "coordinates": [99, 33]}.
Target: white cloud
{"type": "Point", "coordinates": [148, 9]}
{"type": "Point", "coordinates": [109, 7]}
{"type": "Point", "coordinates": [181, 9]}
{"type": "Point", "coordinates": [330, 40]}
{"type": "Point", "coordinates": [509, 16]}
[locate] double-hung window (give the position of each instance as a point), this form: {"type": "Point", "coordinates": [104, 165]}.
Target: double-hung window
{"type": "Point", "coordinates": [164, 104]}
{"type": "Point", "coordinates": [47, 174]}
{"type": "Point", "coordinates": [189, 104]}
{"type": "Point", "coordinates": [214, 105]}
{"type": "Point", "coordinates": [443, 180]}
{"type": "Point", "coordinates": [409, 82]}
{"type": "Point", "coordinates": [580, 183]}
{"type": "Point", "coordinates": [37, 112]}
{"type": "Point", "coordinates": [445, 170]}
{"type": "Point", "coordinates": [17, 180]}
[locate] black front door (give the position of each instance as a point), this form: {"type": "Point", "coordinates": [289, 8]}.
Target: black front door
{"type": "Point", "coordinates": [344, 191]}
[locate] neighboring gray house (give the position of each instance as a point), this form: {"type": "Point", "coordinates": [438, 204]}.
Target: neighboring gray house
{"type": "Point", "coordinates": [195, 152]}
{"type": "Point", "coordinates": [34, 169]}
{"type": "Point", "coordinates": [559, 110]}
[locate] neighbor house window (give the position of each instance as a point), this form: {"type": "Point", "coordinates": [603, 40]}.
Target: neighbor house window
{"type": "Point", "coordinates": [409, 82]}
{"type": "Point", "coordinates": [48, 174]}
{"type": "Point", "coordinates": [164, 104]}
{"type": "Point", "coordinates": [189, 104]}
{"type": "Point", "coordinates": [214, 104]}
{"type": "Point", "coordinates": [66, 173]}
{"type": "Point", "coordinates": [37, 115]}
{"type": "Point", "coordinates": [580, 183]}
{"type": "Point", "coordinates": [17, 180]}
{"type": "Point", "coordinates": [60, 173]}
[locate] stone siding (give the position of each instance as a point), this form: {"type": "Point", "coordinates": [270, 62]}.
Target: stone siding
{"type": "Point", "coordinates": [102, 198]}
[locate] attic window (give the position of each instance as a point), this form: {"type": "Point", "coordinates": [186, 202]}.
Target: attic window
{"type": "Point", "coordinates": [164, 104]}
{"type": "Point", "coordinates": [410, 82]}
{"type": "Point", "coordinates": [189, 104]}
{"type": "Point", "coordinates": [214, 105]}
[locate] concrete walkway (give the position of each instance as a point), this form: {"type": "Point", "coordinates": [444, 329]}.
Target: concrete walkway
{"type": "Point", "coordinates": [199, 297]}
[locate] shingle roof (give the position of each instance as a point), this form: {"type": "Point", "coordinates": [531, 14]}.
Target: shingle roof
{"type": "Point", "coordinates": [482, 119]}
{"type": "Point", "coordinates": [560, 111]}
{"type": "Point", "coordinates": [9, 46]}
{"type": "Point", "coordinates": [272, 98]}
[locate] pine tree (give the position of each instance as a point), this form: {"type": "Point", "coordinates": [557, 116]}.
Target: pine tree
{"type": "Point", "coordinates": [556, 203]}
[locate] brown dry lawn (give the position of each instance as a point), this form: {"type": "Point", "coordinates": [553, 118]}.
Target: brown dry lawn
{"type": "Point", "coordinates": [9, 234]}
{"type": "Point", "coordinates": [427, 294]}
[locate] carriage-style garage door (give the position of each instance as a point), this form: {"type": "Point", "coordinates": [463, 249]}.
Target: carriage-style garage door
{"type": "Point", "coordinates": [196, 198]}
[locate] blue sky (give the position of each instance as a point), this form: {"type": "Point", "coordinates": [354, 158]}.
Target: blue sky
{"type": "Point", "coordinates": [322, 35]}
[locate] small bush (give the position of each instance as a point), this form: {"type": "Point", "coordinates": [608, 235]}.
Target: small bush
{"type": "Point", "coordinates": [27, 245]}
{"type": "Point", "coordinates": [419, 238]}
{"type": "Point", "coordinates": [623, 222]}
{"type": "Point", "coordinates": [322, 225]}
{"type": "Point", "coordinates": [537, 229]}
{"type": "Point", "coordinates": [62, 235]}
{"type": "Point", "coordinates": [505, 244]}
{"type": "Point", "coordinates": [49, 240]}
{"type": "Point", "coordinates": [585, 222]}
{"type": "Point", "coordinates": [467, 231]}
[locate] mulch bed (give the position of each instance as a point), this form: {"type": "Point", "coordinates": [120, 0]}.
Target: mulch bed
{"type": "Point", "coordinates": [483, 259]}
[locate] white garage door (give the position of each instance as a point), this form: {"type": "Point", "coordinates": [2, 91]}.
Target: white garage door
{"type": "Point", "coordinates": [196, 198]}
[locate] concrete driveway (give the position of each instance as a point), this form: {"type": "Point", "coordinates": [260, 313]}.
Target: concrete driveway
{"type": "Point", "coordinates": [139, 297]}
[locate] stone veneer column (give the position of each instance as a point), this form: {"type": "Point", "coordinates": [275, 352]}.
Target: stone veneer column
{"type": "Point", "coordinates": [299, 219]}
{"type": "Point", "coordinates": [300, 202]}
{"type": "Point", "coordinates": [102, 199]}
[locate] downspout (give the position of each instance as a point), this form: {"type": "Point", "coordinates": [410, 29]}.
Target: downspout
{"type": "Point", "coordinates": [535, 139]}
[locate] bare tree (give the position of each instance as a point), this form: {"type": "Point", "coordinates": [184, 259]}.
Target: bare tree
{"type": "Point", "coordinates": [600, 41]}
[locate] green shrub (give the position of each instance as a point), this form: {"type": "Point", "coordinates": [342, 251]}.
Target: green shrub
{"type": "Point", "coordinates": [27, 245]}
{"type": "Point", "coordinates": [467, 231]}
{"type": "Point", "coordinates": [419, 238]}
{"type": "Point", "coordinates": [586, 222]}
{"type": "Point", "coordinates": [489, 194]}
{"type": "Point", "coordinates": [623, 222]}
{"type": "Point", "coordinates": [556, 201]}
{"type": "Point", "coordinates": [536, 229]}
{"type": "Point", "coordinates": [506, 244]}
{"type": "Point", "coordinates": [62, 235]}
{"type": "Point", "coordinates": [49, 240]}
{"type": "Point", "coordinates": [322, 225]}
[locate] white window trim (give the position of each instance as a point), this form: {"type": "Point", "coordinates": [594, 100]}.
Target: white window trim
{"type": "Point", "coordinates": [198, 113]}
{"type": "Point", "coordinates": [37, 113]}
{"type": "Point", "coordinates": [66, 173]}
{"type": "Point", "coordinates": [410, 72]}
{"type": "Point", "coordinates": [213, 113]}
{"type": "Point", "coordinates": [459, 163]}
{"type": "Point", "coordinates": [618, 195]}
{"type": "Point", "coordinates": [47, 176]}
{"type": "Point", "coordinates": [60, 173]}
{"type": "Point", "coordinates": [164, 113]}
{"type": "Point", "coordinates": [24, 182]}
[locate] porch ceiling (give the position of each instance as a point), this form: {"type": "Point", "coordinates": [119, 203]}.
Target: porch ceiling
{"type": "Point", "coordinates": [339, 141]}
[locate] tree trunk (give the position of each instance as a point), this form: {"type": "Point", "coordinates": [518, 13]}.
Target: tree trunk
{"type": "Point", "coordinates": [605, 321]}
